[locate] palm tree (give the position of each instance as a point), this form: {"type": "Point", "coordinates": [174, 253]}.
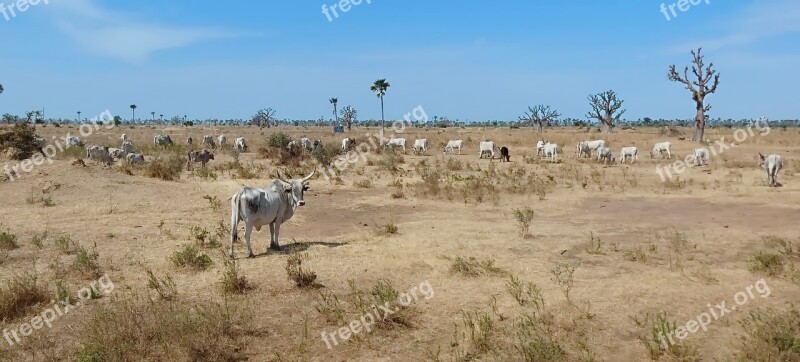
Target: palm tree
{"type": "Point", "coordinates": [79, 116]}
{"type": "Point", "coordinates": [153, 114]}
{"type": "Point", "coordinates": [133, 109]}
{"type": "Point", "coordinates": [335, 115]}
{"type": "Point", "coordinates": [162, 117]}
{"type": "Point", "coordinates": [379, 87]}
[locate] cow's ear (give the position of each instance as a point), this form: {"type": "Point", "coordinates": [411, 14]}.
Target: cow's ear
{"type": "Point", "coordinates": [306, 187]}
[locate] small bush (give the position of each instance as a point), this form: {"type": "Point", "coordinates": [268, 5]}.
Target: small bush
{"type": "Point", "coordinates": [660, 328]}
{"type": "Point", "coordinates": [472, 267]}
{"type": "Point", "coordinates": [21, 140]}
{"type": "Point", "coordinates": [38, 239]}
{"type": "Point", "coordinates": [8, 241]}
{"type": "Point", "coordinates": [66, 245]}
{"type": "Point", "coordinates": [525, 292]}
{"type": "Point", "coordinates": [364, 183]}
{"type": "Point", "coordinates": [19, 295]}
{"type": "Point", "coordinates": [165, 168]}
{"type": "Point", "coordinates": [563, 277]}
{"type": "Point", "coordinates": [190, 257]}
{"type": "Point", "coordinates": [87, 262]}
{"type": "Point", "coordinates": [771, 335]}
{"type": "Point", "coordinates": [524, 218]}
{"type": "Point", "coordinates": [279, 140]}
{"type": "Point", "coordinates": [330, 307]}
{"type": "Point", "coordinates": [165, 287]}
{"type": "Point", "coordinates": [769, 263]}
{"type": "Point", "coordinates": [232, 280]}
{"type": "Point", "coordinates": [303, 278]}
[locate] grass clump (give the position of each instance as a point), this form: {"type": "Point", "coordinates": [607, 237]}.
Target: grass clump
{"type": "Point", "coordinates": [86, 262]}
{"type": "Point", "coordinates": [20, 294]}
{"type": "Point", "coordinates": [233, 282]}
{"type": "Point", "coordinates": [191, 257]}
{"type": "Point", "coordinates": [165, 287]}
{"type": "Point", "coordinates": [768, 263]}
{"type": "Point", "coordinates": [8, 240]}
{"type": "Point", "coordinates": [66, 245]}
{"type": "Point", "coordinates": [165, 168]}
{"type": "Point", "coordinates": [771, 335]}
{"type": "Point", "coordinates": [472, 267]}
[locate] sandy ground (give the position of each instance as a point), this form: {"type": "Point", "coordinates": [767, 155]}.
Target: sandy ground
{"type": "Point", "coordinates": [723, 210]}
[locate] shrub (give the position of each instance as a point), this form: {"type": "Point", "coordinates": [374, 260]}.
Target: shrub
{"type": "Point", "coordinates": [8, 241]}
{"type": "Point", "coordinates": [21, 140]}
{"type": "Point", "coordinates": [659, 328]}
{"type": "Point", "coordinates": [279, 140]}
{"type": "Point", "coordinates": [38, 239]}
{"type": "Point", "coordinates": [66, 244]}
{"type": "Point", "coordinates": [19, 295]}
{"type": "Point", "coordinates": [303, 278]}
{"type": "Point", "coordinates": [165, 168]}
{"type": "Point", "coordinates": [87, 262]}
{"type": "Point", "coordinates": [325, 155]}
{"type": "Point", "coordinates": [472, 267]}
{"type": "Point", "coordinates": [190, 257]}
{"type": "Point", "coordinates": [524, 218]}
{"type": "Point", "coordinates": [165, 287]}
{"type": "Point", "coordinates": [771, 335]}
{"type": "Point", "coordinates": [330, 307]}
{"type": "Point", "coordinates": [232, 281]}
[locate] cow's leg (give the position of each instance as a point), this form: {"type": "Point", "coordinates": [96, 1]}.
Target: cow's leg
{"type": "Point", "coordinates": [274, 245]}
{"type": "Point", "coordinates": [272, 240]}
{"type": "Point", "coordinates": [248, 229]}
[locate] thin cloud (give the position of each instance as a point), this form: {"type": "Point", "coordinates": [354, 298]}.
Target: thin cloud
{"type": "Point", "coordinates": [115, 35]}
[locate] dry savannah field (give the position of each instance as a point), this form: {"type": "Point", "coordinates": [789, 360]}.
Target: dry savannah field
{"type": "Point", "coordinates": [474, 259]}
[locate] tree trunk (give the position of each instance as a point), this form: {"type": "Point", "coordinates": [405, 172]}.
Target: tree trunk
{"type": "Point", "coordinates": [699, 123]}
{"type": "Point", "coordinates": [539, 127]}
{"type": "Point", "coordinates": [382, 121]}
{"type": "Point", "coordinates": [605, 127]}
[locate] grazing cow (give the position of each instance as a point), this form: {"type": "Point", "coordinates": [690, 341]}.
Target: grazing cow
{"type": "Point", "coordinates": [421, 146]}
{"type": "Point", "coordinates": [208, 141]}
{"type": "Point", "coordinates": [586, 147]}
{"type": "Point", "coordinates": [99, 154]}
{"type": "Point", "coordinates": [487, 147]}
{"type": "Point", "coordinates": [396, 142]}
{"type": "Point", "coordinates": [306, 144]}
{"type": "Point", "coordinates": [700, 157]}
{"type": "Point", "coordinates": [189, 141]}
{"type": "Point", "coordinates": [631, 152]}
{"type": "Point", "coordinates": [347, 143]}
{"type": "Point", "coordinates": [162, 140]}
{"type": "Point", "coordinates": [551, 152]}
{"type": "Point", "coordinates": [127, 146]}
{"type": "Point", "coordinates": [240, 144]}
{"type": "Point", "coordinates": [660, 148]}
{"type": "Point", "coordinates": [272, 206]}
{"type": "Point", "coordinates": [605, 154]}
{"type": "Point", "coordinates": [134, 158]}
{"type": "Point", "coordinates": [197, 156]}
{"type": "Point", "coordinates": [73, 141]}
{"type": "Point", "coordinates": [318, 144]}
{"type": "Point", "coordinates": [504, 155]}
{"type": "Point", "coordinates": [452, 145]}
{"type": "Point", "coordinates": [293, 147]}
{"type": "Point", "coordinates": [540, 147]}
{"type": "Point", "coordinates": [772, 164]}
{"type": "Point", "coordinates": [124, 137]}
{"type": "Point", "coordinates": [40, 142]}
{"type": "Point", "coordinates": [222, 140]}
{"type": "Point", "coordinates": [117, 153]}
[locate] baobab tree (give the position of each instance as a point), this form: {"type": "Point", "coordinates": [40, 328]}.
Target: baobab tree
{"type": "Point", "coordinates": [606, 108]}
{"type": "Point", "coordinates": [349, 115]}
{"type": "Point", "coordinates": [335, 101]}
{"type": "Point", "coordinates": [263, 118]}
{"type": "Point", "coordinates": [379, 87]}
{"type": "Point", "coordinates": [539, 116]}
{"type": "Point", "coordinates": [699, 88]}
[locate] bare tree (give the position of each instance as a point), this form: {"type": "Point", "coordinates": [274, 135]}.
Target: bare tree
{"type": "Point", "coordinates": [539, 116]}
{"type": "Point", "coordinates": [263, 118]}
{"type": "Point", "coordinates": [349, 115]}
{"type": "Point", "coordinates": [606, 108]}
{"type": "Point", "coordinates": [700, 88]}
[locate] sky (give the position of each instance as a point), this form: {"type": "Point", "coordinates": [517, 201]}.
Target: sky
{"type": "Point", "coordinates": [466, 60]}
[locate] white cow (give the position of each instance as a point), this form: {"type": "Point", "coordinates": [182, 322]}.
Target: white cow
{"type": "Point", "coordinates": [660, 148]}
{"type": "Point", "coordinates": [540, 147]}
{"type": "Point", "coordinates": [396, 142]}
{"type": "Point", "coordinates": [605, 154]}
{"type": "Point", "coordinates": [100, 154]}
{"type": "Point", "coordinates": [586, 147]}
{"type": "Point", "coordinates": [631, 152]}
{"type": "Point", "coordinates": [487, 147]}
{"type": "Point", "coordinates": [40, 142]}
{"type": "Point", "coordinates": [272, 206]}
{"type": "Point", "coordinates": [117, 153]}
{"type": "Point", "coordinates": [124, 137]}
{"type": "Point", "coordinates": [347, 143]}
{"type": "Point", "coordinates": [73, 141]}
{"type": "Point", "coordinates": [306, 144]}
{"type": "Point", "coordinates": [162, 140]}
{"type": "Point", "coordinates": [127, 146]}
{"type": "Point", "coordinates": [240, 144]}
{"type": "Point", "coordinates": [551, 152]}
{"type": "Point", "coordinates": [772, 164]}
{"type": "Point", "coordinates": [293, 147]}
{"type": "Point", "coordinates": [208, 140]}
{"type": "Point", "coordinates": [700, 156]}
{"type": "Point", "coordinates": [222, 140]}
{"type": "Point", "coordinates": [452, 145]}
{"type": "Point", "coordinates": [421, 146]}
{"type": "Point", "coordinates": [134, 158]}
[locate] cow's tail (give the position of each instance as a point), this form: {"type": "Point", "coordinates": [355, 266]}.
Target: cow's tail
{"type": "Point", "coordinates": [235, 203]}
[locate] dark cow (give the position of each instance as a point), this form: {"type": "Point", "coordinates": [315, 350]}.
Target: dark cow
{"type": "Point", "coordinates": [197, 156]}
{"type": "Point", "coordinates": [504, 155]}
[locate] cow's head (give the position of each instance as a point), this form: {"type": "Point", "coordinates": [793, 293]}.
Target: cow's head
{"type": "Point", "coordinates": [296, 188]}
{"type": "Point", "coordinates": [762, 161]}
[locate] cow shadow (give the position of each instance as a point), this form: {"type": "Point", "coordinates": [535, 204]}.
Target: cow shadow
{"type": "Point", "coordinates": [297, 247]}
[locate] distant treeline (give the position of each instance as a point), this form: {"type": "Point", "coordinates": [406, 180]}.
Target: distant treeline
{"type": "Point", "coordinates": [435, 122]}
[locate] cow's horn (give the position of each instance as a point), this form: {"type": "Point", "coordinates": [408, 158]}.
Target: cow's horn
{"type": "Point", "coordinates": [311, 175]}
{"type": "Point", "coordinates": [280, 177]}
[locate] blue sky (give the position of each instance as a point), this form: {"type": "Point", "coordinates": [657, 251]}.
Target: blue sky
{"type": "Point", "coordinates": [461, 59]}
